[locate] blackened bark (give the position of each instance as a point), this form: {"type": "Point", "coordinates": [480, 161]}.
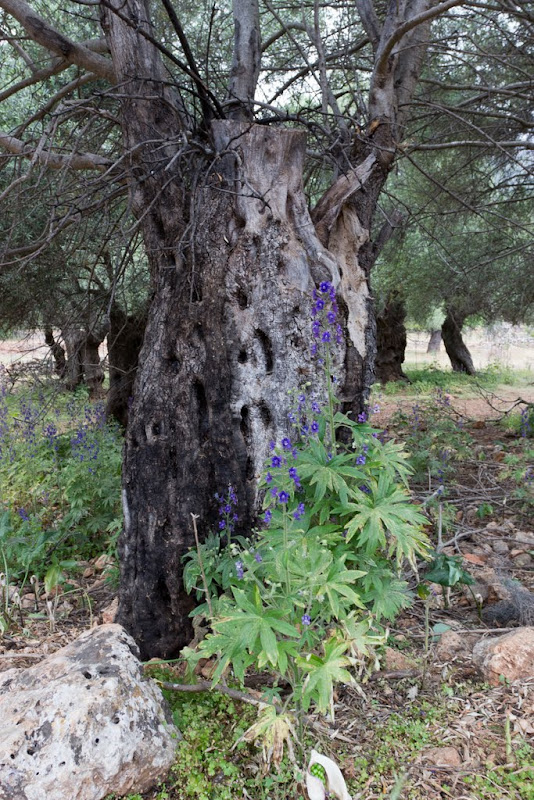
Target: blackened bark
{"type": "Point", "coordinates": [434, 344]}
{"type": "Point", "coordinates": [391, 340]}
{"type": "Point", "coordinates": [451, 332]}
{"type": "Point", "coordinates": [125, 339]}
{"type": "Point", "coordinates": [58, 353]}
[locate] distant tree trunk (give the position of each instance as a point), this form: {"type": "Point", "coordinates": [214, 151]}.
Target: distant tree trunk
{"type": "Point", "coordinates": [434, 344]}
{"type": "Point", "coordinates": [58, 353]}
{"type": "Point", "coordinates": [391, 340]}
{"type": "Point", "coordinates": [451, 331]}
{"type": "Point", "coordinates": [83, 360]}
{"type": "Point", "coordinates": [125, 339]}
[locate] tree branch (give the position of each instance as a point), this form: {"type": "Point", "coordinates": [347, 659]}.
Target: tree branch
{"type": "Point", "coordinates": [81, 161]}
{"type": "Point", "coordinates": [44, 34]}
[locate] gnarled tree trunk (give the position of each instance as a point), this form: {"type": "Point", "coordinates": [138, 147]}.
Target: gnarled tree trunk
{"type": "Point", "coordinates": [391, 340]}
{"type": "Point", "coordinates": [228, 336]}
{"type": "Point", "coordinates": [83, 360]}
{"type": "Point", "coordinates": [451, 332]}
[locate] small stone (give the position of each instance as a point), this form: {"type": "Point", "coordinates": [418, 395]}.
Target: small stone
{"type": "Point", "coordinates": [101, 562]}
{"type": "Point", "coordinates": [109, 613]}
{"type": "Point", "coordinates": [522, 560]}
{"type": "Point", "coordinates": [477, 560]}
{"type": "Point", "coordinates": [395, 661]}
{"type": "Point", "coordinates": [510, 656]}
{"type": "Point", "coordinates": [88, 572]}
{"type": "Point", "coordinates": [500, 547]}
{"type": "Point", "coordinates": [443, 757]}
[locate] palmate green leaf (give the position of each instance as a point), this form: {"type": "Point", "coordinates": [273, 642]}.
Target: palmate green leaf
{"type": "Point", "coordinates": [250, 626]}
{"type": "Point", "coordinates": [386, 512]}
{"type": "Point", "coordinates": [323, 673]}
{"type": "Point", "coordinates": [392, 460]}
{"type": "Point", "coordinates": [337, 587]}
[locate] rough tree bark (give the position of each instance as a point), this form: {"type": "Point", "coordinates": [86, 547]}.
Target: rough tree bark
{"type": "Point", "coordinates": [391, 340]}
{"type": "Point", "coordinates": [434, 344]}
{"type": "Point", "coordinates": [451, 332]}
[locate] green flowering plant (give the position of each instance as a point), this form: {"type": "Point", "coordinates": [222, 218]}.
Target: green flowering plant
{"type": "Point", "coordinates": [309, 594]}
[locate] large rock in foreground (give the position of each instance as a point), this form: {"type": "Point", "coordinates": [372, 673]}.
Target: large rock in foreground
{"type": "Point", "coordinates": [83, 723]}
{"type": "Point", "coordinates": [510, 656]}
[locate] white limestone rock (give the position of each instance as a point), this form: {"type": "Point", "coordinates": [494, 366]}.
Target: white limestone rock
{"type": "Point", "coordinates": [83, 723]}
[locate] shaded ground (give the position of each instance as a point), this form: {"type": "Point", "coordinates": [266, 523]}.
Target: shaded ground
{"type": "Point", "coordinates": [419, 700]}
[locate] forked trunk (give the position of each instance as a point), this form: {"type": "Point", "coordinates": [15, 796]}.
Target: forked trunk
{"type": "Point", "coordinates": [391, 341]}
{"type": "Point", "coordinates": [228, 339]}
{"type": "Point", "coordinates": [451, 332]}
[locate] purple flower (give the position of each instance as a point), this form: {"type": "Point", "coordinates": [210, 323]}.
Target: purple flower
{"type": "Point", "coordinates": [365, 489]}
{"type": "Point", "coordinates": [283, 497]}
{"type": "Point", "coordinates": [299, 512]}
{"type": "Point", "coordinates": [326, 336]}
{"type": "Point", "coordinates": [316, 328]}
{"type": "Point", "coordinates": [325, 286]}
{"type": "Point", "coordinates": [361, 460]}
{"type": "Point", "coordinates": [293, 473]}
{"type": "Point", "coordinates": [331, 317]}
{"type": "Point", "coordinates": [272, 445]}
{"type": "Point", "coordinates": [222, 525]}
{"type": "Point", "coordinates": [286, 443]}
{"type": "Point", "coordinates": [267, 517]}
{"type": "Point", "coordinates": [306, 619]}
{"type": "Point", "coordinates": [362, 417]}
{"type": "Point", "coordinates": [276, 461]}
{"type": "Point", "coordinates": [314, 427]}
{"type": "Point", "coordinates": [316, 408]}
{"type": "Point", "coordinates": [258, 558]}
{"type": "Point", "coordinates": [23, 515]}
{"type": "Point", "coordinates": [268, 478]}
{"type": "Point", "coordinates": [239, 569]}
{"type": "Point", "coordinates": [274, 491]}
{"type": "Point", "coordinates": [319, 305]}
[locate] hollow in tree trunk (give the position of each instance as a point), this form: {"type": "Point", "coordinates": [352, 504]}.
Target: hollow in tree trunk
{"type": "Point", "coordinates": [434, 344]}
{"type": "Point", "coordinates": [451, 332]}
{"type": "Point", "coordinates": [391, 340]}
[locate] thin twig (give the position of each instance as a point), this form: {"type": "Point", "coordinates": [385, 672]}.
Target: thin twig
{"type": "Point", "coordinates": [206, 686]}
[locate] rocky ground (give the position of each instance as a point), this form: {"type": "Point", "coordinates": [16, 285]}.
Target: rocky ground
{"type": "Point", "coordinates": [452, 707]}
